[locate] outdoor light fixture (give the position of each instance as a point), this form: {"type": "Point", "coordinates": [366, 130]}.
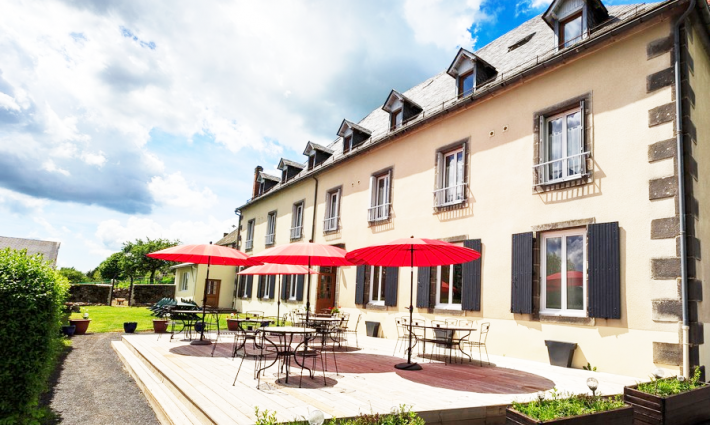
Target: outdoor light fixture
{"type": "Point", "coordinates": [540, 395]}
{"type": "Point", "coordinates": [593, 384]}
{"type": "Point", "coordinates": [316, 417]}
{"type": "Point", "coordinates": [681, 378]}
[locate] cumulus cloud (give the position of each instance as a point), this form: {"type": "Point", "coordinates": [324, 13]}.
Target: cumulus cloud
{"type": "Point", "coordinates": [16, 203]}
{"type": "Point", "coordinates": [445, 24]}
{"type": "Point", "coordinates": [173, 190]}
{"type": "Point", "coordinates": [531, 6]}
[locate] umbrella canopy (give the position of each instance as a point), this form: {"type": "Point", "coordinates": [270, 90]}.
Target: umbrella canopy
{"type": "Point", "coordinates": [277, 269]}
{"type": "Point", "coordinates": [304, 254]}
{"type": "Point", "coordinates": [205, 254]}
{"type": "Point", "coordinates": [413, 252]}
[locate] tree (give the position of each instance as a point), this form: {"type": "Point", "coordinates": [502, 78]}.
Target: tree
{"type": "Point", "coordinates": [146, 265]}
{"type": "Point", "coordinates": [73, 275]}
{"type": "Point", "coordinates": [111, 268]}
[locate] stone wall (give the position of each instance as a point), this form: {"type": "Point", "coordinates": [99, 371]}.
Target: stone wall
{"type": "Point", "coordinates": [150, 294]}
{"type": "Point", "coordinates": [90, 294]}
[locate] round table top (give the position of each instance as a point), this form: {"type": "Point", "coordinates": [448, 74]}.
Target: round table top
{"type": "Point", "coordinates": [325, 319]}
{"type": "Point", "coordinates": [288, 329]}
{"type": "Point", "coordinates": [186, 311]}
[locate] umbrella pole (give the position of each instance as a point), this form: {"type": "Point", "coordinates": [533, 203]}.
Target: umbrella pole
{"type": "Point", "coordinates": [409, 365]}
{"type": "Point", "coordinates": [278, 302]}
{"type": "Point", "coordinates": [202, 340]}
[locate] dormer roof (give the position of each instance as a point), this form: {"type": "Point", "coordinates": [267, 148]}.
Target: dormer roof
{"type": "Point", "coordinates": [463, 57]}
{"type": "Point", "coordinates": [288, 163]}
{"type": "Point", "coordinates": [395, 96]}
{"type": "Point", "coordinates": [595, 7]}
{"type": "Point", "coordinates": [263, 177]}
{"type": "Point", "coordinates": [312, 147]}
{"type": "Point", "coordinates": [354, 127]}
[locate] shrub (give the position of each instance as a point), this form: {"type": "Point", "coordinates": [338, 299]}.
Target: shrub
{"type": "Point", "coordinates": [671, 386]}
{"type": "Point", "coordinates": [31, 297]}
{"type": "Point", "coordinates": [399, 416]}
{"type": "Point", "coordinates": [562, 406]}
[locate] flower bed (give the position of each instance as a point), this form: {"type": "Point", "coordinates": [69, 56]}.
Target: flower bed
{"type": "Point", "coordinates": [577, 409]}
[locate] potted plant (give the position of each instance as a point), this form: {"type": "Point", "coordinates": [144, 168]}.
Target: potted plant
{"type": "Point", "coordinates": [81, 324]}
{"type": "Point", "coordinates": [232, 323]}
{"type": "Point", "coordinates": [334, 310]}
{"type": "Point", "coordinates": [674, 400]}
{"type": "Point", "coordinates": [160, 325]}
{"type": "Point", "coordinates": [68, 330]}
{"type": "Point", "coordinates": [130, 327]}
{"type": "Point", "coordinates": [563, 409]}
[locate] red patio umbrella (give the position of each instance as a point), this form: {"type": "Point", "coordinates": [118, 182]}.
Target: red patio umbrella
{"type": "Point", "coordinates": [305, 254]}
{"type": "Point", "coordinates": [277, 269]}
{"type": "Point", "coordinates": [412, 252]}
{"type": "Point", "coordinates": [204, 254]}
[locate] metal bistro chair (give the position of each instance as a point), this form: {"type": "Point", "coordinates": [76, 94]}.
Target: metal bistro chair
{"type": "Point", "coordinates": [481, 343]}
{"type": "Point", "coordinates": [402, 333]}
{"type": "Point", "coordinates": [353, 331]}
{"type": "Point", "coordinates": [261, 349]}
{"type": "Point", "coordinates": [256, 314]}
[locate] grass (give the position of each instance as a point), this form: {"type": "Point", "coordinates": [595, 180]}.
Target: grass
{"type": "Point", "coordinates": [561, 406]}
{"type": "Point", "coordinates": [671, 386]}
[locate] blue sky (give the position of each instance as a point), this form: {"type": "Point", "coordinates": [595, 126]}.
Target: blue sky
{"type": "Point", "coordinates": [123, 120]}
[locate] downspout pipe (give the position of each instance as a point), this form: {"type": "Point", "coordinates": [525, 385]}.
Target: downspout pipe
{"type": "Point", "coordinates": [681, 190]}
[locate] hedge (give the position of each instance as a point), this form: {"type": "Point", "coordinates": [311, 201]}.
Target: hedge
{"type": "Point", "coordinates": [31, 297]}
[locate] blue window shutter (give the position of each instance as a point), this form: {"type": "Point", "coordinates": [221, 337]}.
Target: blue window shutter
{"type": "Point", "coordinates": [604, 270]}
{"type": "Point", "coordinates": [285, 285]}
{"type": "Point", "coordinates": [299, 287]}
{"type": "Point", "coordinates": [423, 278]}
{"type": "Point", "coordinates": [250, 284]}
{"type": "Point", "coordinates": [272, 286]}
{"type": "Point", "coordinates": [360, 285]}
{"type": "Point", "coordinates": [522, 274]}
{"type": "Point", "coordinates": [391, 285]}
{"type": "Point", "coordinates": [471, 285]}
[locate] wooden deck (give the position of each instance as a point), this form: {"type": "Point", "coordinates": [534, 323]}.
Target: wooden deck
{"type": "Point", "coordinates": [366, 382]}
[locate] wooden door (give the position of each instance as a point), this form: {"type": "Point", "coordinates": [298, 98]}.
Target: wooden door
{"type": "Point", "coordinates": [212, 293]}
{"type": "Point", "coordinates": [325, 296]}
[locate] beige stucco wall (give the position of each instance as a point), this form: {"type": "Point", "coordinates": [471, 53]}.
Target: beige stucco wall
{"type": "Point", "coordinates": [699, 80]}
{"type": "Point", "coordinates": [502, 202]}
{"type": "Point", "coordinates": [198, 274]}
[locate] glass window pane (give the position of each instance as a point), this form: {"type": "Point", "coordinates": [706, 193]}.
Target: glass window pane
{"type": "Point", "coordinates": [383, 280]}
{"type": "Point", "coordinates": [573, 31]}
{"type": "Point", "coordinates": [444, 285]}
{"type": "Point", "coordinates": [575, 272]}
{"type": "Point", "coordinates": [553, 278]}
{"type": "Point", "coordinates": [467, 85]}
{"type": "Point", "coordinates": [458, 283]}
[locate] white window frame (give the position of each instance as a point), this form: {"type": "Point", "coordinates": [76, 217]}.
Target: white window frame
{"type": "Point", "coordinates": [460, 81]}
{"type": "Point", "coordinates": [378, 279]}
{"type": "Point", "coordinates": [577, 160]}
{"type": "Point", "coordinates": [450, 305]}
{"type": "Point", "coordinates": [242, 280]}
{"type": "Point", "coordinates": [292, 287]}
{"type": "Point", "coordinates": [563, 281]}
{"type": "Point", "coordinates": [451, 194]}
{"type": "Point", "coordinates": [297, 221]}
{"type": "Point", "coordinates": [377, 211]}
{"type": "Point", "coordinates": [397, 118]}
{"type": "Point", "coordinates": [264, 280]}
{"type": "Point", "coordinates": [332, 209]}
{"type": "Point", "coordinates": [270, 237]}
{"type": "Point", "coordinates": [249, 244]}
{"type": "Point", "coordinates": [185, 282]}
{"type": "Point", "coordinates": [562, 42]}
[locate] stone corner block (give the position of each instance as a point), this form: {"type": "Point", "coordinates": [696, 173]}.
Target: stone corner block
{"type": "Point", "coordinates": [666, 310]}
{"type": "Point", "coordinates": [669, 354]}
{"type": "Point", "coordinates": [665, 187]}
{"type": "Point", "coordinates": [665, 268]}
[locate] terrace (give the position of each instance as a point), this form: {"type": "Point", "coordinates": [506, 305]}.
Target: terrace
{"type": "Point", "coordinates": [185, 384]}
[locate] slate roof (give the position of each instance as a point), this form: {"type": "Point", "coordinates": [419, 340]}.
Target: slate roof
{"type": "Point", "coordinates": [269, 177]}
{"type": "Point", "coordinates": [229, 239]}
{"type": "Point", "coordinates": [356, 127]}
{"type": "Point", "coordinates": [289, 163]}
{"type": "Point", "coordinates": [318, 147]}
{"type": "Point", "coordinates": [438, 93]}
{"type": "Point", "coordinates": [48, 249]}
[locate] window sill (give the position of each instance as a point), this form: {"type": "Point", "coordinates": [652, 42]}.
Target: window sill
{"type": "Point", "coordinates": [567, 320]}
{"type": "Point", "coordinates": [580, 180]}
{"type": "Point", "coordinates": [450, 206]}
{"type": "Point", "coordinates": [449, 311]}
{"type": "Point", "coordinates": [378, 307]}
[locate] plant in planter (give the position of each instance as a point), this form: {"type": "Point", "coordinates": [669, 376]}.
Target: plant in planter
{"type": "Point", "coordinates": [160, 326]}
{"type": "Point", "coordinates": [68, 330]}
{"type": "Point", "coordinates": [82, 325]}
{"type": "Point", "coordinates": [232, 323]}
{"type": "Point", "coordinates": [673, 400]}
{"type": "Point", "coordinates": [565, 409]}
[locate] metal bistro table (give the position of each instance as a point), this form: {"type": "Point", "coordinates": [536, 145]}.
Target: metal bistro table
{"type": "Point", "coordinates": [444, 335]}
{"type": "Point", "coordinates": [285, 348]}
{"type": "Point", "coordinates": [247, 331]}
{"type": "Point", "coordinates": [188, 319]}
{"type": "Point", "coordinates": [323, 325]}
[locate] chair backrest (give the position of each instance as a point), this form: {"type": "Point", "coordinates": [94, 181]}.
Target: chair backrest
{"type": "Point", "coordinates": [485, 326]}
{"type": "Point", "coordinates": [359, 316]}
{"type": "Point", "coordinates": [466, 323]}
{"type": "Point", "coordinates": [451, 321]}
{"type": "Point", "coordinates": [253, 313]}
{"type": "Point", "coordinates": [439, 323]}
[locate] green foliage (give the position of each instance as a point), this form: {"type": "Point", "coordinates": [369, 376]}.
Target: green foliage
{"type": "Point", "coordinates": [110, 268]}
{"type": "Point", "coordinates": [134, 262]}
{"type": "Point", "coordinates": [73, 275]}
{"type": "Point", "coordinates": [671, 386]}
{"type": "Point", "coordinates": [32, 294]}
{"type": "Point", "coordinates": [399, 416]}
{"type": "Point", "coordinates": [562, 406]}
{"type": "Point", "coordinates": [589, 367]}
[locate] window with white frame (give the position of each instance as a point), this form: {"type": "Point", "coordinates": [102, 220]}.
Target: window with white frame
{"type": "Point", "coordinates": [375, 278]}
{"type": "Point", "coordinates": [570, 30]}
{"type": "Point", "coordinates": [447, 281]}
{"type": "Point", "coordinates": [184, 283]}
{"type": "Point", "coordinates": [265, 287]}
{"type": "Point", "coordinates": [241, 284]}
{"type": "Point", "coordinates": [291, 284]}
{"type": "Point", "coordinates": [297, 221]}
{"type": "Point", "coordinates": [562, 155]}
{"type": "Point", "coordinates": [466, 83]}
{"type": "Point", "coordinates": [396, 118]}
{"type": "Point", "coordinates": [332, 209]}
{"type": "Point", "coordinates": [563, 273]}
{"type": "Point", "coordinates": [451, 184]}
{"type": "Point", "coordinates": [249, 244]}
{"type": "Point", "coordinates": [379, 197]}
{"type": "Point", "coordinates": [270, 228]}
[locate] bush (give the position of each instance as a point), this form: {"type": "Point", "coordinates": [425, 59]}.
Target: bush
{"type": "Point", "coordinates": [31, 297]}
{"type": "Point", "coordinates": [564, 405]}
{"type": "Point", "coordinates": [671, 386]}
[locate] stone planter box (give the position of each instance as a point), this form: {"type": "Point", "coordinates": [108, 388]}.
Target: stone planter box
{"type": "Point", "coordinates": [621, 416]}
{"type": "Point", "coordinates": [691, 407]}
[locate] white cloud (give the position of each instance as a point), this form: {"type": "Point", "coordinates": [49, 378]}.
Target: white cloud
{"type": "Point", "coordinates": [173, 190]}
{"type": "Point", "coordinates": [97, 159]}
{"type": "Point", "coordinates": [50, 166]}
{"type": "Point", "coordinates": [8, 102]}
{"type": "Point", "coordinates": [445, 24]}
{"type": "Point", "coordinates": [18, 203]}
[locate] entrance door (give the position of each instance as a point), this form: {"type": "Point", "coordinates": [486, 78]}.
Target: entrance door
{"type": "Point", "coordinates": [326, 289]}
{"type": "Point", "coordinates": [212, 293]}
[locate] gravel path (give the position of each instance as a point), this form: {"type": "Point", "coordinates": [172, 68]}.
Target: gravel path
{"type": "Point", "coordinates": [93, 388]}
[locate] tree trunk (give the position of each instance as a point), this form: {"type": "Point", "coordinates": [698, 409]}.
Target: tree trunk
{"type": "Point", "coordinates": [152, 276]}
{"type": "Point", "coordinates": [130, 292]}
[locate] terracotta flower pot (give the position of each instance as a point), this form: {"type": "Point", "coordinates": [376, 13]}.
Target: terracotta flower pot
{"type": "Point", "coordinates": [81, 325]}
{"type": "Point", "coordinates": [160, 326]}
{"type": "Point", "coordinates": [232, 325]}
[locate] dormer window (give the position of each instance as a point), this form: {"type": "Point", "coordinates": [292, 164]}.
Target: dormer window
{"type": "Point", "coordinates": [353, 135]}
{"type": "Point", "coordinates": [401, 109]}
{"type": "Point", "coordinates": [316, 154]}
{"type": "Point", "coordinates": [470, 72]}
{"type": "Point", "coordinates": [573, 20]}
{"type": "Point", "coordinates": [289, 169]}
{"type": "Point", "coordinates": [266, 182]}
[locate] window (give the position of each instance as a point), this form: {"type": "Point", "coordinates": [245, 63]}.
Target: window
{"type": "Point", "coordinates": [448, 281]}
{"type": "Point", "coordinates": [297, 221]}
{"type": "Point", "coordinates": [241, 284]}
{"type": "Point", "coordinates": [570, 30]}
{"type": "Point", "coordinates": [466, 83]}
{"type": "Point", "coordinates": [451, 184]}
{"type": "Point", "coordinates": [312, 161]}
{"type": "Point", "coordinates": [375, 279]}
{"type": "Point", "coordinates": [347, 143]}
{"type": "Point", "coordinates": [332, 208]}
{"type": "Point", "coordinates": [563, 283]}
{"type": "Point", "coordinates": [250, 235]}
{"type": "Point", "coordinates": [562, 155]}
{"type": "Point", "coordinates": [264, 287]}
{"type": "Point", "coordinates": [291, 283]}
{"type": "Point", "coordinates": [185, 281]}
{"type": "Point", "coordinates": [379, 197]}
{"type": "Point", "coordinates": [396, 119]}
{"type": "Point", "coordinates": [270, 228]}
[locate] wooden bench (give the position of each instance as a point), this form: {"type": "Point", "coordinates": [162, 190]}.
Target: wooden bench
{"type": "Point", "coordinates": [120, 301]}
